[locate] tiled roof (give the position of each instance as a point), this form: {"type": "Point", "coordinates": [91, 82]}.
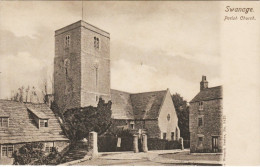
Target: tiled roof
{"type": "Point", "coordinates": [208, 94]}
{"type": "Point", "coordinates": [23, 128]}
{"type": "Point", "coordinates": [136, 106]}
{"type": "Point", "coordinates": [121, 105]}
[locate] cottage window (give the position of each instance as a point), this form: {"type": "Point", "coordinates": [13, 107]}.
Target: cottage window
{"type": "Point", "coordinates": [49, 147]}
{"type": "Point", "coordinates": [164, 136]}
{"type": "Point", "coordinates": [4, 122]}
{"type": "Point", "coordinates": [43, 123]}
{"type": "Point", "coordinates": [200, 121]}
{"type": "Point", "coordinates": [172, 135]}
{"type": "Point", "coordinates": [132, 125]}
{"type": "Point", "coordinates": [201, 105]}
{"type": "Point", "coordinates": [7, 150]}
{"type": "Point", "coordinates": [67, 41]}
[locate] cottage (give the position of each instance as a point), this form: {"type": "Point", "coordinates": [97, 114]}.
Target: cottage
{"type": "Point", "coordinates": [152, 112]}
{"type": "Point", "coordinates": [206, 119]}
{"type": "Point", "coordinates": [22, 123]}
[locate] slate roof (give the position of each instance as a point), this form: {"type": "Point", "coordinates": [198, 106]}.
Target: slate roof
{"type": "Point", "coordinates": [208, 94]}
{"type": "Point", "coordinates": [137, 105]}
{"type": "Point", "coordinates": [23, 128]}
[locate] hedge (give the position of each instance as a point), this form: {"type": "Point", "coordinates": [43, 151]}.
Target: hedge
{"type": "Point", "coordinates": [109, 144]}
{"type": "Point", "coordinates": [161, 144]}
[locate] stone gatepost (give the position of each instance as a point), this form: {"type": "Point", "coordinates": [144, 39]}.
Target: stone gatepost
{"type": "Point", "coordinates": [92, 144]}
{"type": "Point", "coordinates": [145, 148]}
{"type": "Point", "coordinates": [181, 141]}
{"type": "Point", "coordinates": [135, 144]}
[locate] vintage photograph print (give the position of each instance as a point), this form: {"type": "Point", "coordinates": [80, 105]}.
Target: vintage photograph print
{"type": "Point", "coordinates": [111, 83]}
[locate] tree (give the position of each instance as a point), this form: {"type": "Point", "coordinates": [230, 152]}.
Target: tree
{"type": "Point", "coordinates": [182, 110]}
{"type": "Point", "coordinates": [79, 122]}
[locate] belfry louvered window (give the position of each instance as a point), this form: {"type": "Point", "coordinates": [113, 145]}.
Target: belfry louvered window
{"type": "Point", "coordinates": [96, 42]}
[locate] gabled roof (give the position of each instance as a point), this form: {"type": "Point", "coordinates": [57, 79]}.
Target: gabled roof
{"type": "Point", "coordinates": [137, 105]}
{"type": "Point", "coordinates": [208, 94]}
{"type": "Point", "coordinates": [121, 105]}
{"type": "Point", "coordinates": [22, 126]}
{"type": "Point", "coordinates": [147, 105]}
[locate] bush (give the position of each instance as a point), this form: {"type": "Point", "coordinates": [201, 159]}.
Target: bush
{"type": "Point", "coordinates": [109, 144]}
{"type": "Point", "coordinates": [33, 154]}
{"type": "Point", "coordinates": [161, 144]}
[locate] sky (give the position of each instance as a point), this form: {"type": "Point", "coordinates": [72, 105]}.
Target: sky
{"type": "Point", "coordinates": [153, 45]}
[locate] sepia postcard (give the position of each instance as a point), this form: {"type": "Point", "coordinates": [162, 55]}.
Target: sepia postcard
{"type": "Point", "coordinates": [129, 83]}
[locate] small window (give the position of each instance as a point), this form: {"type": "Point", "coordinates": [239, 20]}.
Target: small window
{"type": "Point", "coordinates": [200, 122]}
{"type": "Point", "coordinates": [201, 105]}
{"type": "Point", "coordinates": [4, 122]}
{"type": "Point", "coordinates": [7, 150]}
{"type": "Point", "coordinates": [164, 136]}
{"type": "Point", "coordinates": [168, 117]}
{"type": "Point", "coordinates": [96, 43]}
{"type": "Point", "coordinates": [67, 41]}
{"type": "Point", "coordinates": [43, 123]}
{"type": "Point", "coordinates": [200, 139]}
{"type": "Point", "coordinates": [172, 135]}
{"type": "Point", "coordinates": [49, 147]}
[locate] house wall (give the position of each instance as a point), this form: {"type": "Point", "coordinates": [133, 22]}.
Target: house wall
{"type": "Point", "coordinates": [171, 125]}
{"type": "Point", "coordinates": [212, 125]}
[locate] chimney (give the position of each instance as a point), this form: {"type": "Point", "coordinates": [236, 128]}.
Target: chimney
{"type": "Point", "coordinates": [203, 83]}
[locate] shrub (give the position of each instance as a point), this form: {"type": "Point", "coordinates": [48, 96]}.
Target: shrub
{"type": "Point", "coordinates": [161, 144]}
{"type": "Point", "coordinates": [33, 154]}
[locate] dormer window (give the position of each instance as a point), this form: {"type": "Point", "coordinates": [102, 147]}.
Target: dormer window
{"type": "Point", "coordinates": [4, 121]}
{"type": "Point", "coordinates": [201, 105]}
{"type": "Point", "coordinates": [67, 41]}
{"type": "Point", "coordinates": [43, 123]}
{"type": "Point", "coordinates": [96, 42]}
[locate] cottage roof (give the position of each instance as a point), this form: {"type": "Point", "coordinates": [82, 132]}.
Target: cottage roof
{"type": "Point", "coordinates": [121, 105]}
{"type": "Point", "coordinates": [137, 105]}
{"type": "Point", "coordinates": [22, 126]}
{"type": "Point", "coordinates": [208, 94]}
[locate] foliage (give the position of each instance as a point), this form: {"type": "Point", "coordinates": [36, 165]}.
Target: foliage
{"type": "Point", "coordinates": [79, 122]}
{"type": "Point", "coordinates": [33, 154]}
{"type": "Point", "coordinates": [107, 144]}
{"type": "Point", "coordinates": [182, 110]}
{"type": "Point", "coordinates": [124, 133]}
{"type": "Point", "coordinates": [161, 144]}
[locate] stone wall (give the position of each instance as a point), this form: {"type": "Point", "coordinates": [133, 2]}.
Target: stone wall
{"type": "Point", "coordinates": [171, 125]}
{"type": "Point", "coordinates": [75, 83]}
{"type": "Point", "coordinates": [212, 125]}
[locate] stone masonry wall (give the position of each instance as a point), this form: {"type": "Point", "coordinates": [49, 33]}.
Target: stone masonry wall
{"type": "Point", "coordinates": [212, 125]}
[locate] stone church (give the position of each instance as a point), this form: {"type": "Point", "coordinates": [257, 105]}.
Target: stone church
{"type": "Point", "coordinates": [82, 76]}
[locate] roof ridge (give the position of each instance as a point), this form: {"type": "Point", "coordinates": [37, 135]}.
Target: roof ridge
{"type": "Point", "coordinates": [149, 92]}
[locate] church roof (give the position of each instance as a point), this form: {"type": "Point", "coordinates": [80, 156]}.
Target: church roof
{"type": "Point", "coordinates": [137, 105]}
{"type": "Point", "coordinates": [22, 126]}
{"type": "Point", "coordinates": [208, 94]}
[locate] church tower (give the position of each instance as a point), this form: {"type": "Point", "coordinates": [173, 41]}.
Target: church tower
{"type": "Point", "coordinates": [81, 66]}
